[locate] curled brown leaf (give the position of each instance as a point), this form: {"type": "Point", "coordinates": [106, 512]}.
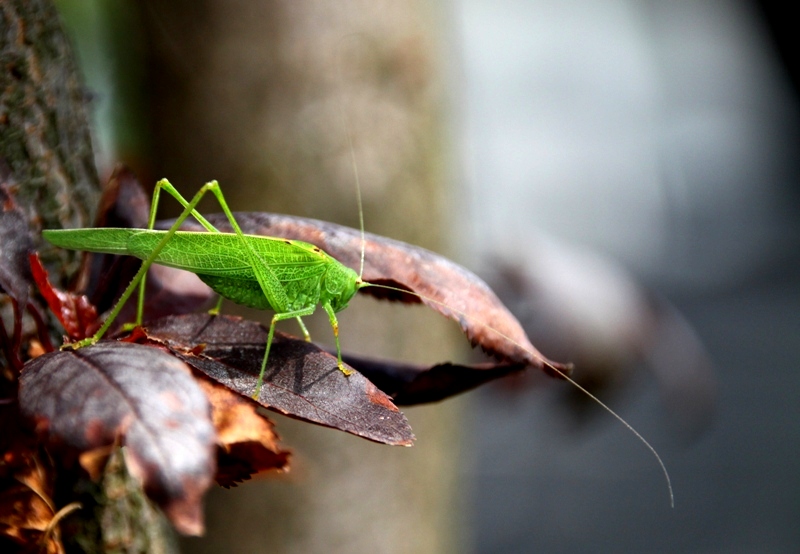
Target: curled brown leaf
{"type": "Point", "coordinates": [437, 282]}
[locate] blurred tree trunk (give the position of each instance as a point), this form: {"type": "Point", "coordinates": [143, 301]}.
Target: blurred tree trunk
{"type": "Point", "coordinates": [256, 95]}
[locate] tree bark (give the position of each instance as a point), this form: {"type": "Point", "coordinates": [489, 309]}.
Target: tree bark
{"type": "Point", "coordinates": [46, 157]}
{"type": "Point", "coordinates": [45, 143]}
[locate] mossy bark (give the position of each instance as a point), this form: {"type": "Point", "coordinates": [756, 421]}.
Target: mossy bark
{"type": "Point", "coordinates": [45, 142]}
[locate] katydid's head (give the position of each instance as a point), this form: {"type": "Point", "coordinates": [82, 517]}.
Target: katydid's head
{"type": "Point", "coordinates": [341, 284]}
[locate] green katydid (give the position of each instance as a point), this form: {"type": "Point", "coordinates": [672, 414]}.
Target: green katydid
{"type": "Point", "coordinates": [290, 277]}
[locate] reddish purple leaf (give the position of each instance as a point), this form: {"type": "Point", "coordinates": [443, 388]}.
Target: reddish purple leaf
{"type": "Point", "coordinates": [15, 276]}
{"type": "Point", "coordinates": [140, 397]}
{"type": "Point", "coordinates": [15, 243]}
{"type": "Point", "coordinates": [302, 380]}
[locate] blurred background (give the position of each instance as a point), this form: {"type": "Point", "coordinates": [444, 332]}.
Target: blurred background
{"type": "Point", "coordinates": [622, 172]}
{"type": "Point", "coordinates": [661, 137]}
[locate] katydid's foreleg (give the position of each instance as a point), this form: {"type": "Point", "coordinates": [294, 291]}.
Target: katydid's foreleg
{"type": "Point", "coordinates": [335, 326]}
{"type": "Point", "coordinates": [275, 319]}
{"type": "Point", "coordinates": [137, 279]}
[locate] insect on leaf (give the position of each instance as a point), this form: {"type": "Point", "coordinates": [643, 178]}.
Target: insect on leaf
{"type": "Point", "coordinates": [136, 396]}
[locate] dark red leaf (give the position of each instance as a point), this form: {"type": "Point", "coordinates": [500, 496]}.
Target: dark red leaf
{"type": "Point", "coordinates": [15, 243]}
{"type": "Point", "coordinates": [15, 276]}
{"type": "Point", "coordinates": [77, 315]}
{"type": "Point", "coordinates": [443, 285]}
{"type": "Point", "coordinates": [134, 395]}
{"type": "Point", "coordinates": [410, 384]}
{"type": "Point", "coordinates": [301, 380]}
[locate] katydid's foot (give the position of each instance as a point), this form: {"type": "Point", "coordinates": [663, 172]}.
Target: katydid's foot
{"type": "Point", "coordinates": [130, 326]}
{"type": "Point", "coordinates": [215, 310]}
{"type": "Point", "coordinates": [343, 369]}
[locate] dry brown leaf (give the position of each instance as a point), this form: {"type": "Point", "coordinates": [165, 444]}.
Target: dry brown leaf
{"type": "Point", "coordinates": [247, 441]}
{"type": "Point", "coordinates": [26, 508]}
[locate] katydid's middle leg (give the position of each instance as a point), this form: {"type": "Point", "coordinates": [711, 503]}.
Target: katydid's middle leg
{"type": "Point", "coordinates": [275, 319]}
{"type": "Point", "coordinates": [304, 329]}
{"type": "Point", "coordinates": [217, 307]}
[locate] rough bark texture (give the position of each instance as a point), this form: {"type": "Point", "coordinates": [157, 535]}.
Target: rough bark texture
{"type": "Point", "coordinates": [44, 133]}
{"type": "Point", "coordinates": [46, 153]}
{"type": "Point", "coordinates": [256, 94]}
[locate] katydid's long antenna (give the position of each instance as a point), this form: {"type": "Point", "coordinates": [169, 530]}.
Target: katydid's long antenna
{"type": "Point", "coordinates": [349, 134]}
{"type": "Point", "coordinates": [358, 196]}
{"type": "Point", "coordinates": [563, 375]}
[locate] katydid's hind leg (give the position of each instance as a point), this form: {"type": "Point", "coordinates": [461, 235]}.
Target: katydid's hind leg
{"type": "Point", "coordinates": [335, 326]}
{"type": "Point", "coordinates": [273, 290]}
{"type": "Point", "coordinates": [167, 186]}
{"type": "Point", "coordinates": [151, 223]}
{"type": "Point", "coordinates": [139, 277]}
{"type": "Point", "coordinates": [275, 319]}
{"type": "Point", "coordinates": [303, 328]}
